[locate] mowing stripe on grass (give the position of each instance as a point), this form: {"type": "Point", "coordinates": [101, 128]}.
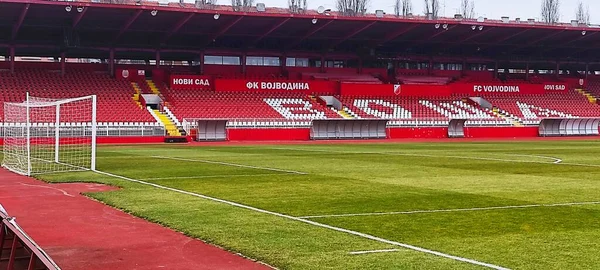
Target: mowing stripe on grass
{"type": "Point", "coordinates": [229, 164]}
{"type": "Point", "coordinates": [372, 251]}
{"type": "Point", "coordinates": [453, 210]}
{"type": "Point", "coordinates": [213, 176]}
{"type": "Point", "coordinates": [359, 234]}
{"type": "Point", "coordinates": [555, 160]}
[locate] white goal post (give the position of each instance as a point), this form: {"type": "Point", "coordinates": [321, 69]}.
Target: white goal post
{"type": "Point", "coordinates": [43, 135]}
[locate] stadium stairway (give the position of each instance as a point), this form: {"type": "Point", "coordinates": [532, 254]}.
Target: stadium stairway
{"type": "Point", "coordinates": [136, 95]}
{"type": "Point", "coordinates": [589, 96]}
{"type": "Point", "coordinates": [505, 115]}
{"type": "Point", "coordinates": [155, 90]}
{"type": "Point", "coordinates": [172, 129]}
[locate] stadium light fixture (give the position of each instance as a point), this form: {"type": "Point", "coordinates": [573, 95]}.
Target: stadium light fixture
{"type": "Point", "coordinates": [68, 8]}
{"type": "Point", "coordinates": [473, 27]}
{"type": "Point", "coordinates": [79, 9]}
{"type": "Point", "coordinates": [154, 12]}
{"type": "Point", "coordinates": [445, 26]}
{"type": "Point", "coordinates": [314, 21]}
{"type": "Point", "coordinates": [437, 26]}
{"type": "Point", "coordinates": [217, 16]}
{"type": "Point", "coordinates": [480, 27]}
{"type": "Point", "coordinates": [583, 33]}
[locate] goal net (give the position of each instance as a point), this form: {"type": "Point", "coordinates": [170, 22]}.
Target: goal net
{"type": "Point", "coordinates": [44, 135]}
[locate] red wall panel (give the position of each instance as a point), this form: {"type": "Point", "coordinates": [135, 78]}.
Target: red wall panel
{"type": "Point", "coordinates": [501, 132]}
{"type": "Point", "coordinates": [269, 134]}
{"type": "Point", "coordinates": [418, 133]}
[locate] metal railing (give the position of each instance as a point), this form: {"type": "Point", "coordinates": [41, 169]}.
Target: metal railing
{"type": "Point", "coordinates": [20, 246]}
{"type": "Point", "coordinates": [125, 130]}
{"type": "Point", "coordinates": [192, 123]}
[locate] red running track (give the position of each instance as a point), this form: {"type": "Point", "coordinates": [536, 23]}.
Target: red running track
{"type": "Point", "coordinates": [79, 233]}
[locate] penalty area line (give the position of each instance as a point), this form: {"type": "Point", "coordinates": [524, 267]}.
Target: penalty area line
{"type": "Point", "coordinates": [453, 210]}
{"type": "Point", "coordinates": [317, 224]}
{"type": "Point", "coordinates": [230, 164]}
{"type": "Point", "coordinates": [212, 176]}
{"type": "Point", "coordinates": [372, 251]}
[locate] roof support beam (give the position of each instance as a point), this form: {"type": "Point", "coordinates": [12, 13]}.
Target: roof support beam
{"type": "Point", "coordinates": [580, 38]}
{"type": "Point", "coordinates": [271, 30]}
{"type": "Point", "coordinates": [222, 31]}
{"type": "Point", "coordinates": [349, 36]}
{"type": "Point", "coordinates": [19, 22]}
{"type": "Point", "coordinates": [79, 16]}
{"type": "Point", "coordinates": [479, 33]}
{"type": "Point", "coordinates": [309, 34]}
{"type": "Point", "coordinates": [497, 42]}
{"type": "Point", "coordinates": [396, 34]}
{"type": "Point", "coordinates": [177, 27]}
{"type": "Point", "coordinates": [126, 26]}
{"type": "Point", "coordinates": [535, 41]}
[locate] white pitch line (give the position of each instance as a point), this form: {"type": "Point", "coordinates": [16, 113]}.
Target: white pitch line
{"type": "Point", "coordinates": [556, 160]}
{"type": "Point", "coordinates": [230, 164]}
{"type": "Point", "coordinates": [372, 251]}
{"type": "Point", "coordinates": [212, 176]}
{"type": "Point", "coordinates": [452, 210]}
{"type": "Point", "coordinates": [355, 233]}
{"type": "Point", "coordinates": [436, 156]}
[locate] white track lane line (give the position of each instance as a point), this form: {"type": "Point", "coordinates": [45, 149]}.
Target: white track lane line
{"type": "Point", "coordinates": [453, 210]}
{"type": "Point", "coordinates": [212, 176]}
{"type": "Point", "coordinates": [359, 234]}
{"type": "Point", "coordinates": [372, 251]}
{"type": "Point", "coordinates": [555, 160]}
{"type": "Point", "coordinates": [230, 164]}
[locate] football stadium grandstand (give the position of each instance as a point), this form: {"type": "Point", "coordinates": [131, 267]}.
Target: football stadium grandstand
{"type": "Point", "coordinates": [84, 83]}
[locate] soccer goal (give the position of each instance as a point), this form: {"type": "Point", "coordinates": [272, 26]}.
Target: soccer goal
{"type": "Point", "coordinates": [44, 135]}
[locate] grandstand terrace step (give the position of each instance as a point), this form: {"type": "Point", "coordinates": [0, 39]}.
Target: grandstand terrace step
{"type": "Point", "coordinates": [344, 113]}
{"type": "Point", "coordinates": [591, 98]}
{"type": "Point", "coordinates": [172, 129]}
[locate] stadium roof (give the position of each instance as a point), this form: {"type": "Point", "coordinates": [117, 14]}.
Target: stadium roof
{"type": "Point", "coordinates": [43, 28]}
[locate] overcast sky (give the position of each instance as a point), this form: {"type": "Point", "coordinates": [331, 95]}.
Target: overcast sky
{"type": "Point", "coordinates": [492, 9]}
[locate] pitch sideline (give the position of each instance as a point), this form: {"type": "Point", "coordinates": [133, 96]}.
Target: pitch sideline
{"type": "Point", "coordinates": [355, 233]}
{"type": "Point", "coordinates": [230, 164]}
{"type": "Point", "coordinates": [453, 210]}
{"type": "Point", "coordinates": [554, 159]}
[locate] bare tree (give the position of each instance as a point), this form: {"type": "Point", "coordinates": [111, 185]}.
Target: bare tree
{"type": "Point", "coordinates": [241, 5]}
{"type": "Point", "coordinates": [205, 3]}
{"type": "Point", "coordinates": [352, 7]}
{"type": "Point", "coordinates": [432, 7]}
{"type": "Point", "coordinates": [403, 7]}
{"type": "Point", "coordinates": [297, 6]}
{"type": "Point", "coordinates": [467, 9]}
{"type": "Point", "coordinates": [582, 15]}
{"type": "Point", "coordinates": [550, 11]}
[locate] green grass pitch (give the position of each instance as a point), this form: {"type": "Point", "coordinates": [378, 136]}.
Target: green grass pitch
{"type": "Point", "coordinates": [501, 203]}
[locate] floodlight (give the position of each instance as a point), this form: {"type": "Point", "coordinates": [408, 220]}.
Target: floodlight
{"type": "Point", "coordinates": [314, 21]}
{"type": "Point", "coordinates": [321, 10]}
{"type": "Point", "coordinates": [79, 9]}
{"type": "Point", "coordinates": [217, 16]}
{"type": "Point", "coordinates": [445, 26]}
{"type": "Point", "coordinates": [154, 12]}
{"type": "Point", "coordinates": [473, 27]}
{"type": "Point", "coordinates": [480, 27]}
{"type": "Point", "coordinates": [437, 26]}
{"type": "Point", "coordinates": [68, 8]}
{"type": "Point", "coordinates": [583, 33]}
